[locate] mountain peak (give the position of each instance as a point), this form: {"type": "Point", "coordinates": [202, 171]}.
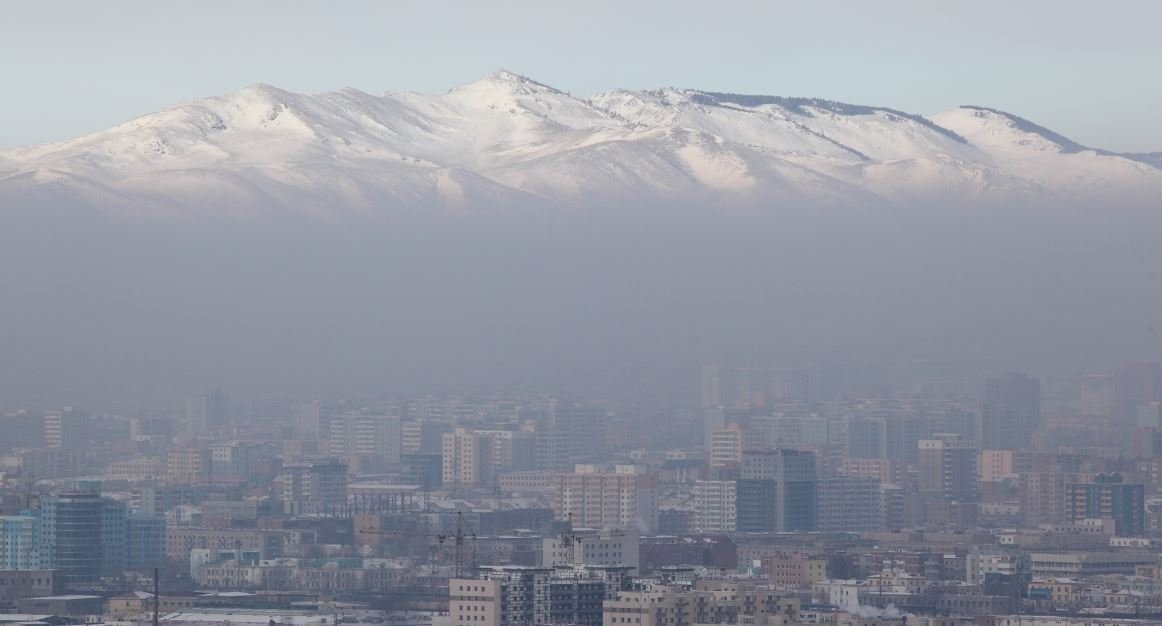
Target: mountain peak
{"type": "Point", "coordinates": [262, 90]}
{"type": "Point", "coordinates": [1066, 144]}
{"type": "Point", "coordinates": [510, 81]}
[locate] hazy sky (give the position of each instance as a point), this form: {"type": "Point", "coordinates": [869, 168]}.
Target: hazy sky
{"type": "Point", "coordinates": [1092, 71]}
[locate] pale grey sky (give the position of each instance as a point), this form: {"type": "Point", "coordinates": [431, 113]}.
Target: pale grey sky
{"type": "Point", "coordinates": [1092, 71]}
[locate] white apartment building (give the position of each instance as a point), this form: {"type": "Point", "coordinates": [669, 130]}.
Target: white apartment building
{"type": "Point", "coordinates": [468, 458]}
{"type": "Point", "coordinates": [378, 436]}
{"type": "Point", "coordinates": [592, 498]}
{"type": "Point", "coordinates": [715, 506]}
{"type": "Point", "coordinates": [726, 446]}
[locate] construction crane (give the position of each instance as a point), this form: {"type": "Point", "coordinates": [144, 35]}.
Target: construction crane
{"type": "Point", "coordinates": [571, 540]}
{"type": "Point", "coordinates": [459, 539]}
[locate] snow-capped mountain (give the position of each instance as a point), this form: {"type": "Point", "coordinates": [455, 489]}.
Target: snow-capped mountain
{"type": "Point", "coordinates": [507, 139]}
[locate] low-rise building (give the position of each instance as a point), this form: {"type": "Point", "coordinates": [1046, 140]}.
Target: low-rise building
{"type": "Point", "coordinates": [29, 583]}
{"type": "Point", "coordinates": [794, 571]}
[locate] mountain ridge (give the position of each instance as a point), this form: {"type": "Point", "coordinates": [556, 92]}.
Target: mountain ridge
{"type": "Point", "coordinates": [507, 138]}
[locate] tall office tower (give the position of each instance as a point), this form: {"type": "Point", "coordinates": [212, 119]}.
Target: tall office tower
{"type": "Point", "coordinates": [468, 459]}
{"type": "Point", "coordinates": [714, 506]}
{"type": "Point", "coordinates": [777, 491]}
{"type": "Point", "coordinates": [725, 446]}
{"type": "Point", "coordinates": [432, 433]}
{"type": "Point", "coordinates": [711, 387]}
{"type": "Point", "coordinates": [78, 532]}
{"type": "Point", "coordinates": [512, 450]}
{"type": "Point", "coordinates": [1108, 496]}
{"type": "Point", "coordinates": [207, 413]}
{"type": "Point", "coordinates": [218, 410]}
{"type": "Point", "coordinates": [962, 422]}
{"type": "Point", "coordinates": [197, 415]}
{"type": "Point", "coordinates": [423, 469]}
{"type": "Point", "coordinates": [591, 498]}
{"type": "Point", "coordinates": [567, 432]}
{"type": "Point", "coordinates": [867, 438]}
{"type": "Point", "coordinates": [850, 504]}
{"type": "Point", "coordinates": [53, 429]}
{"type": "Point", "coordinates": [579, 429]}
{"type": "Point", "coordinates": [1134, 385]}
{"type": "Point", "coordinates": [713, 418]}
{"type": "Point", "coordinates": [904, 433]}
{"type": "Point", "coordinates": [949, 467]}
{"type": "Point", "coordinates": [1096, 395]}
{"type": "Point", "coordinates": [114, 537]}
{"type": "Point", "coordinates": [1011, 412]}
{"type": "Point", "coordinates": [306, 421]}
{"type": "Point", "coordinates": [316, 486]}
{"type": "Point", "coordinates": [146, 547]}
{"type": "Point", "coordinates": [375, 436]}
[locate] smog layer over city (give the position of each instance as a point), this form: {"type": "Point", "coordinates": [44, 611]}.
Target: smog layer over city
{"type": "Point", "coordinates": [580, 314]}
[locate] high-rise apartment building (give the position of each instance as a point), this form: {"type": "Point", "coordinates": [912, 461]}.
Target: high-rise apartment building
{"type": "Point", "coordinates": [53, 429]}
{"type": "Point", "coordinates": [725, 446]}
{"type": "Point", "coordinates": [187, 467]}
{"type": "Point", "coordinates": [995, 465]}
{"type": "Point", "coordinates": [468, 459]}
{"type": "Point", "coordinates": [375, 436]}
{"type": "Point", "coordinates": [850, 504]}
{"type": "Point", "coordinates": [20, 542]}
{"type": "Point", "coordinates": [948, 466]}
{"type": "Point", "coordinates": [715, 506]}
{"type": "Point", "coordinates": [512, 450]}
{"type": "Point", "coordinates": [592, 498]}
{"type": "Point", "coordinates": [315, 486]}
{"type": "Point", "coordinates": [1044, 496]}
{"type": "Point", "coordinates": [1108, 496]}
